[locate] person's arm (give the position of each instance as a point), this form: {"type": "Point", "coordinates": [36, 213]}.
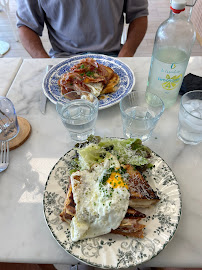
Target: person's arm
{"type": "Point", "coordinates": [32, 43]}
{"type": "Point", "coordinates": [136, 33]}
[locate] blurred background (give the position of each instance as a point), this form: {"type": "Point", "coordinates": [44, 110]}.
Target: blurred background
{"type": "Point", "coordinates": [158, 12]}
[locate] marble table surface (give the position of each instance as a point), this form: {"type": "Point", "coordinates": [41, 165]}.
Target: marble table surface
{"type": "Point", "coordinates": [8, 69]}
{"type": "Point", "coordinates": [24, 234]}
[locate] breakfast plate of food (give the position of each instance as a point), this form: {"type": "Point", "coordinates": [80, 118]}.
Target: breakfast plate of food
{"type": "Point", "coordinates": [112, 202]}
{"type": "Point", "coordinates": [108, 78]}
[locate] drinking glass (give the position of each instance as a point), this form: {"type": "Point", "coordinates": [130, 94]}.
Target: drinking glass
{"type": "Point", "coordinates": [190, 118]}
{"type": "Point", "coordinates": [9, 127]}
{"type": "Point", "coordinates": [140, 113]}
{"type": "Point", "coordinates": [78, 112]}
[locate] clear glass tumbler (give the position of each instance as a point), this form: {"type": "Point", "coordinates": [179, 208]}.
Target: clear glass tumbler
{"type": "Point", "coordinates": [190, 118]}
{"type": "Point", "coordinates": [78, 112]}
{"type": "Point", "coordinates": [140, 113]}
{"type": "Point", "coordinates": [9, 127]}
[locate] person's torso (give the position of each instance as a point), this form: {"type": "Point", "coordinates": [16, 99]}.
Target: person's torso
{"type": "Point", "coordinates": [84, 25]}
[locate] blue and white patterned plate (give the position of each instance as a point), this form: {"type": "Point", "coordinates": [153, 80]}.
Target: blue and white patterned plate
{"type": "Point", "coordinates": [125, 86]}
{"type": "Point", "coordinates": [112, 250]}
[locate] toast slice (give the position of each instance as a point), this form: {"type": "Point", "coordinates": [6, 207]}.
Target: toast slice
{"type": "Point", "coordinates": [69, 206]}
{"type": "Point", "coordinates": [141, 193]}
{"type": "Point", "coordinates": [129, 226]}
{"type": "Point", "coordinates": [111, 86]}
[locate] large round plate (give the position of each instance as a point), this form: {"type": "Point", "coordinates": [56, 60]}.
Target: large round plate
{"type": "Point", "coordinates": [111, 250]}
{"type": "Point", "coordinates": [125, 86]}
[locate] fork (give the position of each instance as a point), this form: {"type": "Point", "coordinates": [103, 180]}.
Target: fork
{"type": "Point", "coordinates": [4, 156]}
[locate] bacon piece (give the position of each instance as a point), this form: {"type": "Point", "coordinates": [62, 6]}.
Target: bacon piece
{"type": "Point", "coordinates": [106, 72]}
{"type": "Point", "coordinates": [133, 213]}
{"type": "Point", "coordinates": [86, 71]}
{"type": "Point", "coordinates": [85, 64]}
{"type": "Point", "coordinates": [72, 81]}
{"type": "Point", "coordinates": [129, 226]}
{"type": "Point", "coordinates": [91, 71]}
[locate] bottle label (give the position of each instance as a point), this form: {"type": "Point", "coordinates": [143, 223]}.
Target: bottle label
{"type": "Point", "coordinates": [166, 76]}
{"type": "Point", "coordinates": [170, 83]}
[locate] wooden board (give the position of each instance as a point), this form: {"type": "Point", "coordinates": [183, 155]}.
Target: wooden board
{"type": "Point", "coordinates": [23, 135]}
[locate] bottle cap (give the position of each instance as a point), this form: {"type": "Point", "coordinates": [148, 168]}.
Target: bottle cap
{"type": "Point", "coordinates": [178, 5]}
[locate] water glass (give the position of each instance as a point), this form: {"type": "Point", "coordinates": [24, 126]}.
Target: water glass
{"type": "Point", "coordinates": [9, 127]}
{"type": "Point", "coordinates": [190, 118]}
{"type": "Point", "coordinates": [78, 112]}
{"type": "Point", "coordinates": [140, 113]}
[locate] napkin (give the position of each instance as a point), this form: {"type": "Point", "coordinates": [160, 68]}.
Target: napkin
{"type": "Point", "coordinates": [190, 82]}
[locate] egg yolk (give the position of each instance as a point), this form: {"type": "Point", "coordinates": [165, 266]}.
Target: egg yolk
{"type": "Point", "coordinates": [115, 180]}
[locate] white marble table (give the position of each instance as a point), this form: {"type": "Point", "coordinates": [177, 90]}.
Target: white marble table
{"type": "Point", "coordinates": [8, 69]}
{"type": "Point", "coordinates": [24, 234]}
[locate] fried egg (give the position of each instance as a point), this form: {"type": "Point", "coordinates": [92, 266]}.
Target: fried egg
{"type": "Point", "coordinates": [101, 196]}
{"type": "Point", "coordinates": [96, 88]}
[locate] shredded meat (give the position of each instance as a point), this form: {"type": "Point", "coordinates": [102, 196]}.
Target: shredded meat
{"type": "Point", "coordinates": [86, 71]}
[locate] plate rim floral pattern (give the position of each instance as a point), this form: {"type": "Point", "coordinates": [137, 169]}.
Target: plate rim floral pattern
{"type": "Point", "coordinates": [114, 239]}
{"type": "Point", "coordinates": [125, 86]}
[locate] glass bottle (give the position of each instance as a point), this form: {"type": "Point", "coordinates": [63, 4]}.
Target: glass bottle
{"type": "Point", "coordinates": [171, 52]}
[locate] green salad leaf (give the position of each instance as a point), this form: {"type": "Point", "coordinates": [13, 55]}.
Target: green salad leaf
{"type": "Point", "coordinates": [127, 151]}
{"type": "Point", "coordinates": [90, 155]}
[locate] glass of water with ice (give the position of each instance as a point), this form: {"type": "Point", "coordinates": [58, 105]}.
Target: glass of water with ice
{"type": "Point", "coordinates": [190, 118]}
{"type": "Point", "coordinates": [9, 127]}
{"type": "Point", "coordinates": [140, 113]}
{"type": "Point", "coordinates": [78, 112]}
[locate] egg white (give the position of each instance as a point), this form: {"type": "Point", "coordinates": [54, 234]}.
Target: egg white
{"type": "Point", "coordinates": [99, 207]}
{"type": "Point", "coordinates": [96, 88]}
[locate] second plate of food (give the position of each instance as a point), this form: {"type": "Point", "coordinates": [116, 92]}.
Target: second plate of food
{"type": "Point", "coordinates": [126, 83]}
{"type": "Point", "coordinates": [115, 250]}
